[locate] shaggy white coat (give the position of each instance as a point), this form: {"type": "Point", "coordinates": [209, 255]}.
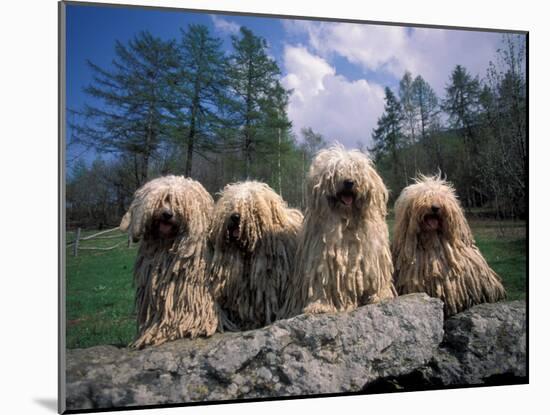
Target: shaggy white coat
{"type": "Point", "coordinates": [343, 258]}
{"type": "Point", "coordinates": [251, 264]}
{"type": "Point", "coordinates": [436, 253]}
{"type": "Point", "coordinates": [173, 297]}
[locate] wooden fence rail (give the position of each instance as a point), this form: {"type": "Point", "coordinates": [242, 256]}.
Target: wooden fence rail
{"type": "Point", "coordinates": [90, 248]}
{"type": "Point", "coordinates": [78, 239]}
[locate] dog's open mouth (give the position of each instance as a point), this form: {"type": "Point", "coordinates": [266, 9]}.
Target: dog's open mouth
{"type": "Point", "coordinates": [234, 232]}
{"type": "Point", "coordinates": [346, 197]}
{"type": "Point", "coordinates": [234, 226]}
{"type": "Point", "coordinates": [431, 222]}
{"type": "Point", "coordinates": [167, 229]}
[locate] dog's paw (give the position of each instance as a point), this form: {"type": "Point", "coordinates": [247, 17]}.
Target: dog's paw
{"type": "Point", "coordinates": [373, 299]}
{"type": "Point", "coordinates": [319, 308]}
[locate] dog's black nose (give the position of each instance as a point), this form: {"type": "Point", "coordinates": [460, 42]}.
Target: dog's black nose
{"type": "Point", "coordinates": [435, 208]}
{"type": "Point", "coordinates": [348, 184]}
{"type": "Point", "coordinates": [167, 215]}
{"type": "Point", "coordinates": [235, 217]}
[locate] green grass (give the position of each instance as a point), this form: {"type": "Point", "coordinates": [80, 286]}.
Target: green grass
{"type": "Point", "coordinates": [504, 247]}
{"type": "Point", "coordinates": [100, 293]}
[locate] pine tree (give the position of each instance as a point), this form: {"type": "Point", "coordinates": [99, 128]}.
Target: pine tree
{"type": "Point", "coordinates": [426, 104]}
{"type": "Point", "coordinates": [198, 85]}
{"type": "Point", "coordinates": [410, 115]}
{"type": "Point", "coordinates": [462, 104]}
{"type": "Point", "coordinates": [409, 107]}
{"type": "Point", "coordinates": [388, 136]}
{"type": "Point", "coordinates": [254, 78]}
{"type": "Point", "coordinates": [274, 135]}
{"type": "Point", "coordinates": [129, 115]}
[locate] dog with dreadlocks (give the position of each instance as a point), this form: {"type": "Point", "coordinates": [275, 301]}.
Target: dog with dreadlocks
{"type": "Point", "coordinates": [343, 259]}
{"type": "Point", "coordinates": [252, 242]}
{"type": "Point", "coordinates": [434, 250]}
{"type": "Point", "coordinates": [170, 217]}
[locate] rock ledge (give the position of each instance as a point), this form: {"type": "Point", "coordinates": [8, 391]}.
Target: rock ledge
{"type": "Point", "coordinates": [402, 344]}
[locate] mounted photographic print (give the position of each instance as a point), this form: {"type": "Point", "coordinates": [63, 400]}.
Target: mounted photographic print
{"type": "Point", "coordinates": [272, 207]}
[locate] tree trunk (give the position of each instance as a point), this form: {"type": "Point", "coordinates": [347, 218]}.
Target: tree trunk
{"type": "Point", "coordinates": [120, 200]}
{"type": "Point", "coordinates": [136, 171]}
{"type": "Point", "coordinates": [192, 127]}
{"type": "Point", "coordinates": [189, 159]}
{"type": "Point", "coordinates": [304, 180]}
{"type": "Point", "coordinates": [247, 142]}
{"type": "Point", "coordinates": [147, 149]}
{"type": "Point", "coordinates": [144, 168]}
{"type": "Point", "coordinates": [279, 164]}
{"type": "Point", "coordinates": [190, 145]}
{"type": "Point", "coordinates": [247, 128]}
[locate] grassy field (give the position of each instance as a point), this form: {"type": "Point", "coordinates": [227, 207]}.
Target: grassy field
{"type": "Point", "coordinates": [100, 292]}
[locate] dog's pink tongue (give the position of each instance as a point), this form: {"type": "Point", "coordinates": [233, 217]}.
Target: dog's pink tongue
{"type": "Point", "coordinates": [433, 223]}
{"type": "Point", "coordinates": [165, 228]}
{"type": "Point", "coordinates": [236, 232]}
{"type": "Point", "coordinates": [348, 200]}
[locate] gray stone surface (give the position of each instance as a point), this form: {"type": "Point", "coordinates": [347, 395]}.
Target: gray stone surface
{"type": "Point", "coordinates": [485, 345]}
{"type": "Point", "coordinates": [398, 344]}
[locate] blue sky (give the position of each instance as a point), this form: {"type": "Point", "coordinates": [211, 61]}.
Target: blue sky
{"type": "Point", "coordinates": [337, 70]}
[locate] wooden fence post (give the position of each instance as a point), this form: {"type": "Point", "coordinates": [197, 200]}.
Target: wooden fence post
{"type": "Point", "coordinates": [76, 241]}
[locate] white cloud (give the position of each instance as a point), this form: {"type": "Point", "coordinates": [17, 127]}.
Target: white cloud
{"type": "Point", "coordinates": [432, 53]}
{"type": "Point", "coordinates": [224, 25]}
{"type": "Point", "coordinates": [332, 105]}
{"type": "Point", "coordinates": [355, 42]}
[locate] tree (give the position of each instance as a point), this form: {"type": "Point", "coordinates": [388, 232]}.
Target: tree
{"type": "Point", "coordinates": [129, 114]}
{"type": "Point", "coordinates": [425, 101]}
{"type": "Point", "coordinates": [504, 103]}
{"type": "Point", "coordinates": [513, 95]}
{"type": "Point", "coordinates": [273, 137]}
{"type": "Point", "coordinates": [410, 115]}
{"type": "Point", "coordinates": [312, 142]}
{"type": "Point", "coordinates": [254, 77]}
{"type": "Point", "coordinates": [409, 107]}
{"type": "Point", "coordinates": [91, 198]}
{"type": "Point", "coordinates": [462, 105]}
{"type": "Point", "coordinates": [388, 136]}
{"type": "Point", "coordinates": [198, 83]}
